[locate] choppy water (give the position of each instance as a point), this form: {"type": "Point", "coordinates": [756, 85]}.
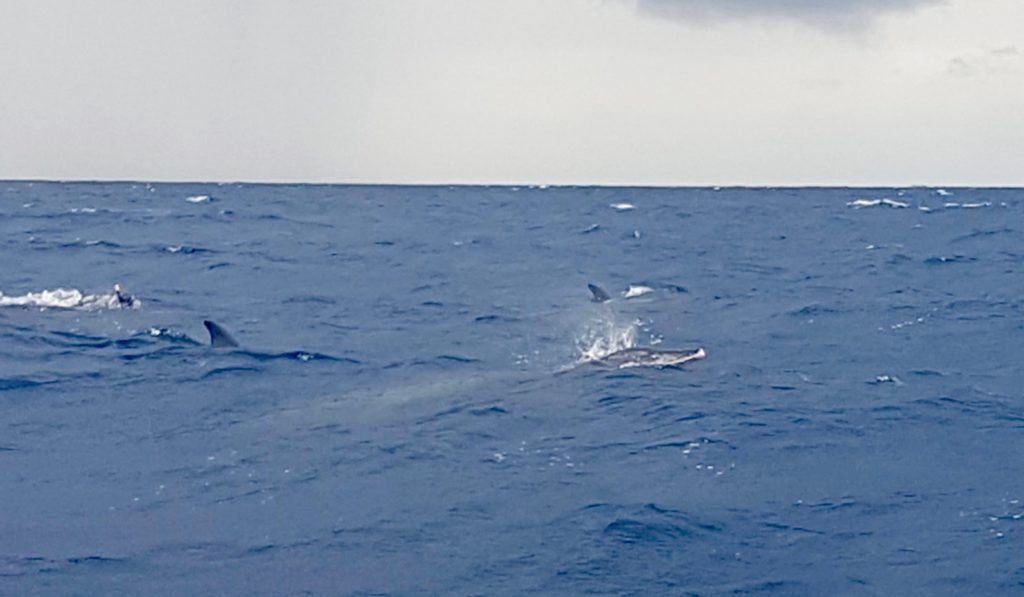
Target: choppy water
{"type": "Point", "coordinates": [404, 415]}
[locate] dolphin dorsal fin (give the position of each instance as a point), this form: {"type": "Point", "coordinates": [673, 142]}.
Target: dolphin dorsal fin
{"type": "Point", "coordinates": [219, 337]}
{"type": "Point", "coordinates": [599, 295]}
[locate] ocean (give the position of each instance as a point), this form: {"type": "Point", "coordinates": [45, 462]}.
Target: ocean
{"type": "Point", "coordinates": [413, 407]}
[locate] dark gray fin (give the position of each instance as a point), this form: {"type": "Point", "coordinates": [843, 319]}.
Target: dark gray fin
{"type": "Point", "coordinates": [599, 295]}
{"type": "Point", "coordinates": [219, 337]}
{"type": "Point", "coordinates": [123, 300]}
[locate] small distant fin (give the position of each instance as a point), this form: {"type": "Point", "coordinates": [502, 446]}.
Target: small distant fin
{"type": "Point", "coordinates": [599, 295]}
{"type": "Point", "coordinates": [123, 299]}
{"type": "Point", "coordinates": [219, 337]}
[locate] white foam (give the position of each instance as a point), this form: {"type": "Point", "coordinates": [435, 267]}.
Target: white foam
{"type": "Point", "coordinates": [65, 298]}
{"type": "Point", "coordinates": [635, 291]}
{"type": "Point", "coordinates": [942, 192]}
{"type": "Point", "coordinates": [198, 199]}
{"type": "Point", "coordinates": [859, 203]}
{"type": "Point", "coordinates": [622, 206]}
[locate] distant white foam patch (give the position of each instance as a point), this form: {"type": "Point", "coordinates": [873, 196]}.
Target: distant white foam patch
{"type": "Point", "coordinates": [942, 192]}
{"type": "Point", "coordinates": [82, 210]}
{"type": "Point", "coordinates": [622, 206]}
{"type": "Point", "coordinates": [65, 298]}
{"type": "Point", "coordinates": [198, 199]}
{"type": "Point", "coordinates": [860, 203]}
{"type": "Point", "coordinates": [636, 290]}
{"type": "Point", "coordinates": [888, 379]}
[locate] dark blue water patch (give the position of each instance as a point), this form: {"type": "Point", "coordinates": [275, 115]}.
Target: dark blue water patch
{"type": "Point", "coordinates": [20, 383]}
{"type": "Point", "coordinates": [982, 234]}
{"type": "Point", "coordinates": [815, 310]}
{"type": "Point", "coordinates": [495, 318]}
{"type": "Point", "coordinates": [295, 355]}
{"type": "Point", "coordinates": [951, 259]}
{"type": "Point", "coordinates": [98, 244]}
{"type": "Point", "coordinates": [310, 299]}
{"type": "Point", "coordinates": [159, 353]}
{"type": "Point", "coordinates": [457, 358]}
{"type": "Point", "coordinates": [75, 340]}
{"type": "Point", "coordinates": [488, 411]}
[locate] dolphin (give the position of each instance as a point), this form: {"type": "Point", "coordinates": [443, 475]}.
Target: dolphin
{"type": "Point", "coordinates": [219, 337]}
{"type": "Point", "coordinates": [123, 299]}
{"type": "Point", "coordinates": [648, 357]}
{"type": "Point", "coordinates": [598, 295]}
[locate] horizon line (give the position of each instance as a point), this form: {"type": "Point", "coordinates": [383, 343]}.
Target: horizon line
{"type": "Point", "coordinates": [508, 185]}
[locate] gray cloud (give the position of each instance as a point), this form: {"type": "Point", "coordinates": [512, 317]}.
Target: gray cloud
{"type": "Point", "coordinates": [1000, 61]}
{"type": "Point", "coordinates": [842, 14]}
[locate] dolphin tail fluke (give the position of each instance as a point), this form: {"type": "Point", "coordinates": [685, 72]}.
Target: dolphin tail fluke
{"type": "Point", "coordinates": [598, 295]}
{"type": "Point", "coordinates": [219, 337]}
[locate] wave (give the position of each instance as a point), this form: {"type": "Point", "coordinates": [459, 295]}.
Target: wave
{"type": "Point", "coordinates": [67, 298]}
{"type": "Point", "coordinates": [859, 203]}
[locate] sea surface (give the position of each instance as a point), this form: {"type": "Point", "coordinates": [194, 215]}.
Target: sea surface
{"type": "Point", "coordinates": [412, 410]}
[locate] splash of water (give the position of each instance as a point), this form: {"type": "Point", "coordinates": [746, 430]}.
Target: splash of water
{"type": "Point", "coordinates": [604, 337]}
{"type": "Point", "coordinates": [65, 298]}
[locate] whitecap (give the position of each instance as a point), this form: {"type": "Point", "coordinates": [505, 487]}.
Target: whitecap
{"type": "Point", "coordinates": [198, 199]}
{"type": "Point", "coordinates": [65, 298]}
{"type": "Point", "coordinates": [859, 203]}
{"type": "Point", "coordinates": [622, 206]}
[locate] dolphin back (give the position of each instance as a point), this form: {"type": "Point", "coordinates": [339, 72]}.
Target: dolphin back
{"type": "Point", "coordinates": [598, 295]}
{"type": "Point", "coordinates": [219, 337]}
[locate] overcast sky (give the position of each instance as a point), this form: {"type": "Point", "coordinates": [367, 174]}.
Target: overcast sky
{"type": "Point", "coordinates": [653, 92]}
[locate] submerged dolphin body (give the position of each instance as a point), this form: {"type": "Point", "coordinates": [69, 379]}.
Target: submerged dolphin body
{"type": "Point", "coordinates": [649, 357]}
{"type": "Point", "coordinates": [219, 337]}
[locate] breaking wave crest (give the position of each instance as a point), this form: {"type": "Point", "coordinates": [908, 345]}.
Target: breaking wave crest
{"type": "Point", "coordinates": [66, 298]}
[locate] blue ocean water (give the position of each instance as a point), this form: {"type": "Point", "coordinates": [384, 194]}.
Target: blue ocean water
{"type": "Point", "coordinates": [409, 412]}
